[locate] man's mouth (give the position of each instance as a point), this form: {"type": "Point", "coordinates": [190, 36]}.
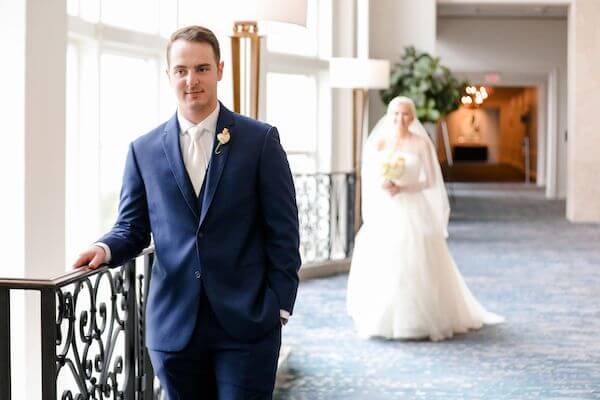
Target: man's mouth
{"type": "Point", "coordinates": [195, 92]}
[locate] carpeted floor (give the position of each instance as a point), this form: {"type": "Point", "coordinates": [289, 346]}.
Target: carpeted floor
{"type": "Point", "coordinates": [521, 259]}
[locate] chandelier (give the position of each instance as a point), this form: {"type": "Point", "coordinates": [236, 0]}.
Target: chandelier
{"type": "Point", "coordinates": [474, 96]}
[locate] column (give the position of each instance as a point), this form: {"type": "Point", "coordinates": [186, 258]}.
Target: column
{"type": "Point", "coordinates": [583, 184]}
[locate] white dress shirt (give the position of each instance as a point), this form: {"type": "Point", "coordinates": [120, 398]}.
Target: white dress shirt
{"type": "Point", "coordinates": [208, 127]}
{"type": "Point", "coordinates": [207, 131]}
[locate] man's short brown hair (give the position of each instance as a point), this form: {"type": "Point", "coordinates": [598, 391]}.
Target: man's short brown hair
{"type": "Point", "coordinates": [198, 34]}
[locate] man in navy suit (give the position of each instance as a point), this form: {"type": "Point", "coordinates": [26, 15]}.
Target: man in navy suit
{"type": "Point", "coordinates": [214, 190]}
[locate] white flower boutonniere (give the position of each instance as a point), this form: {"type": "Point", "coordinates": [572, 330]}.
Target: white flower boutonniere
{"type": "Point", "coordinates": [223, 139]}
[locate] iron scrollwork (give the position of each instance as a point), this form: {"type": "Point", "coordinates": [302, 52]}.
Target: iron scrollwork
{"type": "Point", "coordinates": [325, 203]}
{"type": "Point", "coordinates": [91, 348]}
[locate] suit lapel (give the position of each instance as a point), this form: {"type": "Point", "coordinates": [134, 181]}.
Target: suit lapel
{"type": "Point", "coordinates": [217, 161]}
{"type": "Point", "coordinates": [172, 149]}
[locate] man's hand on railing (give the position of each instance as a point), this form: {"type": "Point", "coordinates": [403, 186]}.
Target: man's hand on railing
{"type": "Point", "coordinates": [93, 257]}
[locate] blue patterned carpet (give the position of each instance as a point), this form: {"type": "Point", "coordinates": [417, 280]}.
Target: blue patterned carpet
{"type": "Point", "coordinates": [521, 259]}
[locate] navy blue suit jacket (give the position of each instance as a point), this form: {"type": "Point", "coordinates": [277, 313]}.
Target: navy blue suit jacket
{"type": "Point", "coordinates": [241, 248]}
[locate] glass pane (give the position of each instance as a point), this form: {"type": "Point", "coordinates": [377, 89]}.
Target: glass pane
{"type": "Point", "coordinates": [136, 15]}
{"type": "Point", "coordinates": [128, 108]}
{"type": "Point", "coordinates": [303, 163]}
{"type": "Point", "coordinates": [214, 15]}
{"type": "Point", "coordinates": [90, 10]}
{"type": "Point", "coordinates": [72, 146]}
{"type": "Point", "coordinates": [226, 84]}
{"type": "Point", "coordinates": [73, 7]}
{"type": "Point", "coordinates": [280, 37]}
{"type": "Point", "coordinates": [167, 17]}
{"type": "Point", "coordinates": [82, 149]}
{"type": "Point", "coordinates": [167, 99]}
{"type": "Point", "coordinates": [292, 107]}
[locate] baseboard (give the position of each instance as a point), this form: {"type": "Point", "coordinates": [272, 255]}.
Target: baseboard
{"type": "Point", "coordinates": [324, 269]}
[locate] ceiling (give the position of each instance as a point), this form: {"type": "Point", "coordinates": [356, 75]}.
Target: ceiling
{"type": "Point", "coordinates": [456, 9]}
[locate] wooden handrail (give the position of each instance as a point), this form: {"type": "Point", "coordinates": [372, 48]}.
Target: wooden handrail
{"type": "Point", "coordinates": [61, 280]}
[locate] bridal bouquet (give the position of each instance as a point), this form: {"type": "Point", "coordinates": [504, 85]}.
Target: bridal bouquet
{"type": "Point", "coordinates": [392, 166]}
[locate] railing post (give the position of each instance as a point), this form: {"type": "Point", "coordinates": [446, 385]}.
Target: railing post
{"type": "Point", "coordinates": [351, 188]}
{"type": "Point", "coordinates": [330, 225]}
{"type": "Point", "coordinates": [5, 343]}
{"type": "Point", "coordinates": [130, 330]}
{"type": "Point", "coordinates": [48, 325]}
{"type": "Point", "coordinates": [145, 363]}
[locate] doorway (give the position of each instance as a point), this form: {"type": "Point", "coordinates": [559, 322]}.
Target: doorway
{"type": "Point", "coordinates": [496, 141]}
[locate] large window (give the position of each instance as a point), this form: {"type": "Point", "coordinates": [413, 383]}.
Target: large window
{"type": "Point", "coordinates": [147, 16]}
{"type": "Point", "coordinates": [298, 97]}
{"type": "Point", "coordinates": [129, 106]}
{"type": "Point", "coordinates": [116, 91]}
{"type": "Point", "coordinates": [290, 98]}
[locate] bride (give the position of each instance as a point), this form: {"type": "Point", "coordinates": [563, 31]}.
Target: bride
{"type": "Point", "coordinates": [403, 282]}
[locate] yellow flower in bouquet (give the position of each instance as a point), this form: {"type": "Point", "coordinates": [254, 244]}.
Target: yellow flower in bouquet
{"type": "Point", "coordinates": [392, 167]}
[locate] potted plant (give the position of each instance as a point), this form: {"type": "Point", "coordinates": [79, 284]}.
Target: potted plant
{"type": "Point", "coordinates": [433, 88]}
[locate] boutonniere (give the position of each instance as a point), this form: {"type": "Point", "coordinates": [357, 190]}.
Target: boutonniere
{"type": "Point", "coordinates": [223, 139]}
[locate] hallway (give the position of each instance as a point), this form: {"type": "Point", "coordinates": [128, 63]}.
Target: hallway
{"type": "Point", "coordinates": [521, 259]}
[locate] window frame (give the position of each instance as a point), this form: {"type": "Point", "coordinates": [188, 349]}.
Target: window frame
{"type": "Point", "coordinates": [317, 66]}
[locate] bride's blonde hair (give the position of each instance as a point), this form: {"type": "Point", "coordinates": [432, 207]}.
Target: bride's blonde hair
{"type": "Point", "coordinates": [396, 101]}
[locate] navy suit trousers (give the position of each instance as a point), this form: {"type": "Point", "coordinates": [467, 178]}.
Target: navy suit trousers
{"type": "Point", "coordinates": [214, 365]}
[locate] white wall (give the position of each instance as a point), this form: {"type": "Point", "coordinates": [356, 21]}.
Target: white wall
{"type": "Point", "coordinates": [393, 25]}
{"type": "Point", "coordinates": [12, 155]}
{"type": "Point", "coordinates": [583, 199]}
{"type": "Point", "coordinates": [32, 167]}
{"type": "Point", "coordinates": [511, 46]}
{"type": "Point", "coordinates": [12, 81]}
{"type": "Point", "coordinates": [33, 36]}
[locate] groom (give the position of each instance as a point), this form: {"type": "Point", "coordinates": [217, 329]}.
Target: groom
{"type": "Point", "coordinates": [215, 190]}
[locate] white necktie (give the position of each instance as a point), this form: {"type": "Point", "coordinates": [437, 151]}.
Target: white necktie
{"type": "Point", "coordinates": [196, 158]}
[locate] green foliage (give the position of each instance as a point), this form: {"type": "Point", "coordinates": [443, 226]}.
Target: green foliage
{"type": "Point", "coordinates": [433, 88]}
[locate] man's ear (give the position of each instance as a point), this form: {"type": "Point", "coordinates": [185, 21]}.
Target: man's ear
{"type": "Point", "coordinates": [220, 70]}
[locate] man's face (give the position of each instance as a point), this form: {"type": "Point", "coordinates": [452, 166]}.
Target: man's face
{"type": "Point", "coordinates": [194, 73]}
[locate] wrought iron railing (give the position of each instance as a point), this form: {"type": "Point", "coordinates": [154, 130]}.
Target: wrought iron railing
{"type": "Point", "coordinates": [92, 333]}
{"type": "Point", "coordinates": [93, 321]}
{"type": "Point", "coordinates": [326, 215]}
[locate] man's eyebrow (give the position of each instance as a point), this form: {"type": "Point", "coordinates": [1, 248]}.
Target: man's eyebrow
{"type": "Point", "coordinates": [195, 66]}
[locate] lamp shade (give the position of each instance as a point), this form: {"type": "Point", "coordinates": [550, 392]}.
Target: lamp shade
{"type": "Point", "coordinates": [288, 11]}
{"type": "Point", "coordinates": [359, 73]}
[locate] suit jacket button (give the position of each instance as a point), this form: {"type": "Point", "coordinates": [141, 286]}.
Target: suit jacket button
{"type": "Point", "coordinates": [201, 235]}
{"type": "Point", "coordinates": [198, 274]}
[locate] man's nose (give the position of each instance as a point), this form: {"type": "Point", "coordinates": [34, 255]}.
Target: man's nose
{"type": "Point", "coordinates": [192, 78]}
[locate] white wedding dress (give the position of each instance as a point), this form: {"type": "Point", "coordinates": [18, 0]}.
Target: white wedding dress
{"type": "Point", "coordinates": [403, 282]}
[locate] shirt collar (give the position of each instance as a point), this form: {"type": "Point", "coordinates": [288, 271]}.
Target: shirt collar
{"type": "Point", "coordinates": [209, 123]}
